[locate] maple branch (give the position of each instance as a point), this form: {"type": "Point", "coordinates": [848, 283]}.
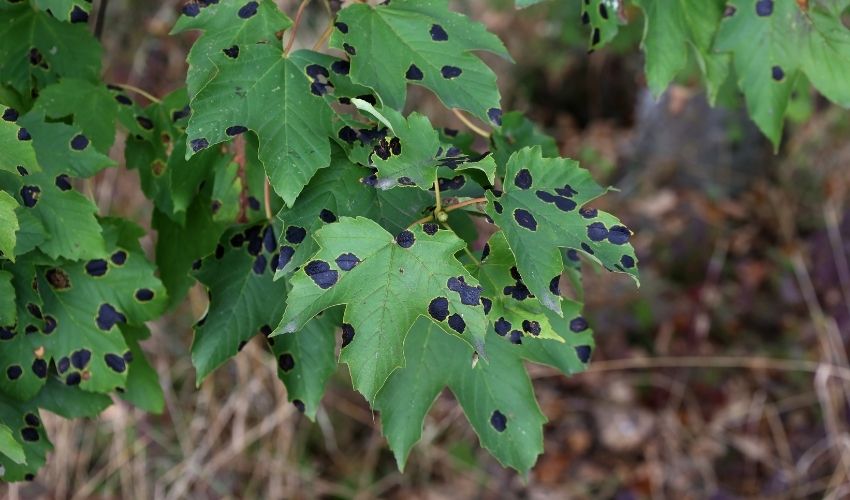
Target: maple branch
{"type": "Point", "coordinates": [450, 208]}
{"type": "Point", "coordinates": [295, 25]}
{"type": "Point", "coordinates": [144, 93]}
{"type": "Point", "coordinates": [471, 126]}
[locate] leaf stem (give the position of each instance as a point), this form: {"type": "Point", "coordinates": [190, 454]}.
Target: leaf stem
{"type": "Point", "coordinates": [295, 25]}
{"type": "Point", "coordinates": [465, 248]}
{"type": "Point", "coordinates": [471, 126]}
{"type": "Point", "coordinates": [101, 16]}
{"type": "Point", "coordinates": [450, 208]}
{"type": "Point", "coordinates": [141, 92]}
{"type": "Point", "coordinates": [267, 198]}
{"type": "Point", "coordinates": [437, 196]}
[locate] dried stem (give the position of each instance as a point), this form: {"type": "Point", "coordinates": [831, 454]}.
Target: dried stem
{"type": "Point", "coordinates": [295, 25]}
{"type": "Point", "coordinates": [471, 126]}
{"type": "Point", "coordinates": [267, 198]}
{"type": "Point", "coordinates": [144, 93]}
{"type": "Point", "coordinates": [450, 208]}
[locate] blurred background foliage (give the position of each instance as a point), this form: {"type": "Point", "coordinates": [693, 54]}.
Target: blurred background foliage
{"type": "Point", "coordinates": [724, 376]}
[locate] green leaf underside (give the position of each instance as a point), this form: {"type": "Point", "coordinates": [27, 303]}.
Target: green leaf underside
{"type": "Point", "coordinates": [496, 396]}
{"type": "Point", "coordinates": [674, 28]}
{"type": "Point", "coordinates": [420, 42]}
{"type": "Point", "coordinates": [22, 419]}
{"type": "Point", "coordinates": [61, 49]}
{"type": "Point", "coordinates": [244, 298]}
{"type": "Point", "coordinates": [543, 208]}
{"type": "Point", "coordinates": [771, 47]}
{"type": "Point", "coordinates": [393, 281]}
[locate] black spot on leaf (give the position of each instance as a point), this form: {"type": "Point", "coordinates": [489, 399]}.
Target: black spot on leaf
{"type": "Point", "coordinates": [321, 274]}
{"type": "Point", "coordinates": [347, 134]}
{"type": "Point", "coordinates": [14, 372]}
{"type": "Point", "coordinates": [286, 362]}
{"type": "Point", "coordinates": [269, 240]}
{"type": "Point", "coordinates": [7, 333]}
{"type": "Point", "coordinates": [438, 34]}
{"type": "Point", "coordinates": [316, 70]}
{"type": "Point", "coordinates": [232, 51]}
{"type": "Point", "coordinates": [583, 352]}
{"type": "Point", "coordinates": [342, 27]}
{"type": "Point", "coordinates": [347, 261]}
{"type": "Point", "coordinates": [597, 231]}
{"type": "Point", "coordinates": [495, 115]}
{"type": "Point", "coordinates": [191, 9]}
{"type": "Point", "coordinates": [502, 326]}
{"type": "Point", "coordinates": [24, 135]}
{"type": "Point", "coordinates": [516, 337]}
{"type": "Point", "coordinates": [499, 421]}
{"type": "Point", "coordinates": [39, 368]}
{"type": "Point", "coordinates": [327, 216]}
{"type": "Point", "coordinates": [430, 228]}
{"type": "Point", "coordinates": [32, 420]}
{"type": "Point", "coordinates": [199, 144]}
{"type": "Point", "coordinates": [450, 72]}
{"type": "Point", "coordinates": [63, 365]}
{"type": "Point", "coordinates": [764, 8]}
{"type": "Point", "coordinates": [469, 295]}
{"type": "Point", "coordinates": [777, 73]}
{"type": "Point", "coordinates": [341, 67]}
{"type": "Point", "coordinates": [260, 264]}
{"type": "Point", "coordinates": [30, 195]}
{"type": "Point", "coordinates": [30, 434]}
{"type": "Point", "coordinates": [295, 234]}
{"type": "Point", "coordinates": [115, 362]}
{"type": "Point", "coordinates": [21, 170]}
{"type": "Point", "coordinates": [523, 179]}
{"type": "Point", "coordinates": [236, 130]}
{"type": "Point", "coordinates": [347, 334]}
{"type": "Point", "coordinates": [457, 323]}
{"type": "Point", "coordinates": [487, 303]}
{"type": "Point", "coordinates": [589, 213]}
{"type": "Point", "coordinates": [79, 142]}
{"type": "Point", "coordinates": [248, 10]}
{"type": "Point", "coordinates": [554, 285]}
{"type": "Point", "coordinates": [286, 254]}
{"type": "Point", "coordinates": [439, 308]}
{"type": "Point", "coordinates": [10, 115]}
{"type": "Point", "coordinates": [525, 219]}
{"type": "Point", "coordinates": [81, 358]}
{"type": "Point", "coordinates": [414, 73]}
{"type": "Point", "coordinates": [531, 326]}
{"type": "Point", "coordinates": [49, 325]}
{"type": "Point", "coordinates": [63, 182]}
{"type": "Point", "coordinates": [144, 294]}
{"type": "Point", "coordinates": [405, 239]}
{"type": "Point", "coordinates": [578, 324]}
{"type": "Point", "coordinates": [349, 49]}
{"type": "Point", "coordinates": [73, 379]}
{"type": "Point", "coordinates": [586, 248]}
{"type": "Point", "coordinates": [58, 278]}
{"type": "Point", "coordinates": [627, 261]}
{"type": "Point", "coordinates": [299, 405]}
{"type": "Point", "coordinates": [108, 316]}
{"type": "Point", "coordinates": [596, 37]}
{"type": "Point", "coordinates": [619, 235]}
{"type": "Point", "coordinates": [498, 207]}
{"type": "Point", "coordinates": [97, 267]}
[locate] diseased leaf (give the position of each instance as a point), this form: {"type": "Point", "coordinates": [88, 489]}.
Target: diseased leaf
{"type": "Point", "coordinates": [71, 402]}
{"type": "Point", "coordinates": [244, 298]}
{"type": "Point", "coordinates": [424, 43]}
{"type": "Point", "coordinates": [143, 389]}
{"type": "Point", "coordinates": [10, 447]}
{"type": "Point", "coordinates": [386, 283]}
{"type": "Point", "coordinates": [24, 422]}
{"type": "Point", "coordinates": [543, 209]}
{"type": "Point", "coordinates": [16, 152]}
{"type": "Point", "coordinates": [603, 18]}
{"type": "Point", "coordinates": [9, 226]}
{"type": "Point", "coordinates": [38, 49]}
{"type": "Point", "coordinates": [673, 30]}
{"type": "Point", "coordinates": [63, 149]}
{"type": "Point", "coordinates": [496, 396]}
{"type": "Point", "coordinates": [93, 108]}
{"type": "Point", "coordinates": [515, 133]}
{"type": "Point", "coordinates": [773, 42]}
{"type": "Point", "coordinates": [73, 11]}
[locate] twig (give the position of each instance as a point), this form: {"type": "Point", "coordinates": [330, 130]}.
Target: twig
{"type": "Point", "coordinates": [471, 126]}
{"type": "Point", "coordinates": [267, 198]}
{"type": "Point", "coordinates": [325, 35]}
{"type": "Point", "coordinates": [101, 16]}
{"type": "Point", "coordinates": [137, 90]}
{"type": "Point", "coordinates": [295, 25]}
{"type": "Point", "coordinates": [450, 208]}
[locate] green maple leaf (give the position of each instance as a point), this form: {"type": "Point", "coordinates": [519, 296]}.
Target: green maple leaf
{"type": "Point", "coordinates": [424, 43]}
{"type": "Point", "coordinates": [28, 433]}
{"type": "Point", "coordinates": [244, 298]}
{"type": "Point", "coordinates": [15, 152]}
{"type": "Point", "coordinates": [73, 11]}
{"type": "Point", "coordinates": [306, 360]}
{"type": "Point", "coordinates": [515, 133]}
{"type": "Point", "coordinates": [9, 227]}
{"type": "Point", "coordinates": [773, 42]}
{"type": "Point", "coordinates": [673, 28]}
{"type": "Point", "coordinates": [143, 389]}
{"type": "Point", "coordinates": [8, 314]}
{"type": "Point", "coordinates": [10, 447]}
{"type": "Point", "coordinates": [92, 107]}
{"type": "Point", "coordinates": [71, 402]}
{"type": "Point", "coordinates": [240, 77]}
{"type": "Point", "coordinates": [603, 18]}
{"type": "Point", "coordinates": [39, 49]}
{"type": "Point", "coordinates": [496, 396]}
{"type": "Point", "coordinates": [386, 283]}
{"type": "Point", "coordinates": [89, 301]}
{"type": "Point", "coordinates": [541, 210]}
{"type": "Point", "coordinates": [63, 220]}
{"type": "Point", "coordinates": [63, 149]}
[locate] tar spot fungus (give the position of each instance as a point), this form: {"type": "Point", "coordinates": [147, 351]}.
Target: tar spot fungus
{"type": "Point", "coordinates": [295, 234]}
{"type": "Point", "coordinates": [342, 27]}
{"type": "Point", "coordinates": [191, 9]}
{"type": "Point", "coordinates": [97, 267]}
{"type": "Point", "coordinates": [79, 142]}
{"type": "Point", "coordinates": [347, 134]}
{"type": "Point", "coordinates": [199, 144]}
{"type": "Point", "coordinates": [523, 179]}
{"type": "Point", "coordinates": [495, 115]}
{"type": "Point", "coordinates": [39, 368]}
{"type": "Point", "coordinates": [516, 337]}
{"type": "Point", "coordinates": [236, 130]}
{"type": "Point", "coordinates": [502, 326]}
{"type": "Point", "coordinates": [450, 72]}
{"type": "Point", "coordinates": [439, 308]}
{"type": "Point", "coordinates": [587, 249]}
{"type": "Point", "coordinates": [469, 295]}
{"type": "Point", "coordinates": [597, 231]}
{"type": "Point", "coordinates": [498, 207]}
{"type": "Point", "coordinates": [73, 379]}
{"type": "Point", "coordinates": [347, 261]}
{"type": "Point", "coordinates": [487, 303]}
{"type": "Point", "coordinates": [30, 434]}
{"type": "Point", "coordinates": [286, 362]}
{"type": "Point", "coordinates": [619, 235]}
{"type": "Point", "coordinates": [525, 219]}
{"type": "Point", "coordinates": [578, 324]}
{"type": "Point", "coordinates": [414, 73]}
{"type": "Point", "coordinates": [777, 73]}
{"type": "Point", "coordinates": [10, 115]}
{"type": "Point", "coordinates": [260, 264]}
{"type": "Point", "coordinates": [30, 195]}
{"type": "Point", "coordinates": [63, 182]}
{"type": "Point", "coordinates": [457, 323]}
{"type": "Point", "coordinates": [58, 278]}
{"type": "Point", "coordinates": [764, 8]}
{"type": "Point", "coordinates": [81, 358]}
{"type": "Point", "coordinates": [627, 261]}
{"type": "Point", "coordinates": [531, 326]}
{"type": "Point", "coordinates": [321, 274]}
{"type": "Point", "coordinates": [583, 353]}
{"type": "Point", "coordinates": [108, 316]}
{"type": "Point", "coordinates": [144, 294]}
{"type": "Point", "coordinates": [327, 216]}
{"type": "Point", "coordinates": [438, 34]}
{"type": "Point", "coordinates": [349, 49]}
{"type": "Point", "coordinates": [115, 362]}
{"type": "Point", "coordinates": [14, 372]}
{"type": "Point", "coordinates": [405, 239]}
{"type": "Point", "coordinates": [341, 67]}
{"type": "Point", "coordinates": [286, 254]}
{"type": "Point", "coordinates": [269, 240]}
{"type": "Point", "coordinates": [499, 421]}
{"type": "Point", "coordinates": [248, 10]}
{"type": "Point", "coordinates": [347, 334]}
{"type": "Point", "coordinates": [430, 228]}
{"type": "Point", "coordinates": [24, 135]}
{"type": "Point", "coordinates": [299, 405]}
